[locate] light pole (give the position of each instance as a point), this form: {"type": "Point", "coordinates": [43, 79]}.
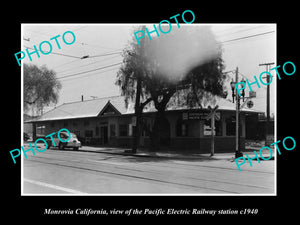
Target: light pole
{"type": "Point", "coordinates": [268, 101]}
{"type": "Point", "coordinates": [238, 152]}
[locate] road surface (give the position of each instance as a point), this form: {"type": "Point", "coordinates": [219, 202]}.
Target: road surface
{"type": "Point", "coordinates": [68, 172]}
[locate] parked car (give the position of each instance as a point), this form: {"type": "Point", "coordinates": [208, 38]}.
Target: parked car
{"type": "Point", "coordinates": [73, 141]}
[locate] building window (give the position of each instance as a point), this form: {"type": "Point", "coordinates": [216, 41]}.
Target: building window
{"type": "Point", "coordinates": [97, 131]}
{"type": "Point", "coordinates": [112, 130]}
{"type": "Point", "coordinates": [207, 128]}
{"type": "Point", "coordinates": [74, 124]}
{"type": "Point", "coordinates": [52, 124]}
{"type": "Point", "coordinates": [88, 133]}
{"type": "Point", "coordinates": [181, 128]}
{"type": "Point", "coordinates": [123, 130]}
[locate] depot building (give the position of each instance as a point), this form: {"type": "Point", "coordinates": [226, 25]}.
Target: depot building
{"type": "Point", "coordinates": [108, 122]}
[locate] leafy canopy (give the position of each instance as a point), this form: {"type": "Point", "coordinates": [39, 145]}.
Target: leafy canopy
{"type": "Point", "coordinates": [40, 87]}
{"type": "Point", "coordinates": [187, 61]}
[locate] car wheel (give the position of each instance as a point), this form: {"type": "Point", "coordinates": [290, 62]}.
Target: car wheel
{"type": "Point", "coordinates": [48, 145]}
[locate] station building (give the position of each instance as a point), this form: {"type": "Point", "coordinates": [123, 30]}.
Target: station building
{"type": "Point", "coordinates": [108, 122]}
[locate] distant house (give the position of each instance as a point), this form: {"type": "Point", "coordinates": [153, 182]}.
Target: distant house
{"type": "Point", "coordinates": [106, 121]}
{"type": "Point", "coordinates": [27, 127]}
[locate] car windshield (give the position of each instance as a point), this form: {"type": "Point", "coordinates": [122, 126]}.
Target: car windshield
{"type": "Point", "coordinates": [73, 135]}
{"type": "Point", "coordinates": [66, 135]}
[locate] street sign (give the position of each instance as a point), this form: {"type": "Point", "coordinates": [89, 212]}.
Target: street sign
{"type": "Point", "coordinates": [194, 115]}
{"type": "Point", "coordinates": [250, 104]}
{"type": "Point", "coordinates": [218, 116]}
{"type": "Point", "coordinates": [212, 112]}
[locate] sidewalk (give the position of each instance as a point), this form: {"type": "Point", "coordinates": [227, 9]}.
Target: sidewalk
{"type": "Point", "coordinates": [172, 154]}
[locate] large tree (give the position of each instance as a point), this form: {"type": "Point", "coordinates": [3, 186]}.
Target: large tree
{"type": "Point", "coordinates": [187, 61]}
{"type": "Point", "coordinates": [41, 87]}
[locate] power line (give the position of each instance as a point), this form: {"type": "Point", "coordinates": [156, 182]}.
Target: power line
{"type": "Point", "coordinates": [249, 36]}
{"type": "Point", "coordinates": [103, 67]}
{"type": "Point", "coordinates": [231, 40]}
{"type": "Point", "coordinates": [89, 75]}
{"type": "Point", "coordinates": [81, 66]}
{"type": "Point", "coordinates": [65, 63]}
{"type": "Point", "coordinates": [239, 31]}
{"type": "Point", "coordinates": [55, 53]}
{"type": "Point", "coordinates": [249, 79]}
{"type": "Point", "coordinates": [87, 57]}
{"type": "Point", "coordinates": [95, 45]}
{"type": "Point", "coordinates": [105, 54]}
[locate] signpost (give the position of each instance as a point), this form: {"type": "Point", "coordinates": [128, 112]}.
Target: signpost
{"type": "Point", "coordinates": [212, 116]}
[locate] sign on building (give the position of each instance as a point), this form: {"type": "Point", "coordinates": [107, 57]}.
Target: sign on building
{"type": "Point", "coordinates": [194, 115]}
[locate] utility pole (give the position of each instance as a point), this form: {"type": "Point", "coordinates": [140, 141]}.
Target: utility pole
{"type": "Point", "coordinates": [237, 118]}
{"type": "Point", "coordinates": [212, 125]}
{"type": "Point", "coordinates": [268, 98]}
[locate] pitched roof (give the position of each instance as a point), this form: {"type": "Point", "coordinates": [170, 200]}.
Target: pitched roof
{"type": "Point", "coordinates": [83, 109]}
{"type": "Point", "coordinates": [95, 107]}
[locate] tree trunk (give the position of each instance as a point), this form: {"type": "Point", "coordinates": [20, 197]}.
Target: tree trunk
{"type": "Point", "coordinates": [155, 134]}
{"type": "Point", "coordinates": [159, 118]}
{"type": "Point", "coordinates": [138, 114]}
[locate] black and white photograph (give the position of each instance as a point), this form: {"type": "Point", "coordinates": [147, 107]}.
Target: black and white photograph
{"type": "Point", "coordinates": [149, 111]}
{"type": "Point", "coordinates": [164, 109]}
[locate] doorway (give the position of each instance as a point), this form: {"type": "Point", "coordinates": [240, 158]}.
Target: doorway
{"type": "Point", "coordinates": [104, 135]}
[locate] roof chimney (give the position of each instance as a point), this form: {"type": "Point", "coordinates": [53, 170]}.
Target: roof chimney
{"type": "Point", "coordinates": [82, 98]}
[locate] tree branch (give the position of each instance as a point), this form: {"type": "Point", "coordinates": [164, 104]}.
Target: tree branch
{"type": "Point", "coordinates": [142, 105]}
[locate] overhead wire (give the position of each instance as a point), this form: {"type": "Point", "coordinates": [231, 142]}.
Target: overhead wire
{"type": "Point", "coordinates": [55, 53]}
{"type": "Point", "coordinates": [66, 63]}
{"type": "Point", "coordinates": [249, 79]}
{"type": "Point", "coordinates": [245, 37]}
{"type": "Point", "coordinates": [81, 66]}
{"type": "Point", "coordinates": [106, 54]}
{"type": "Point", "coordinates": [75, 74]}
{"type": "Point", "coordinates": [88, 75]}
{"type": "Point", "coordinates": [231, 31]}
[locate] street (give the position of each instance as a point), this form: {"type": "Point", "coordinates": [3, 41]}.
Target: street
{"type": "Point", "coordinates": [65, 172]}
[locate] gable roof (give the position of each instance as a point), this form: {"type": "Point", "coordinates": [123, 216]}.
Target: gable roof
{"type": "Point", "coordinates": [84, 109]}
{"type": "Point", "coordinates": [109, 109]}
{"type": "Point", "coordinates": [116, 104]}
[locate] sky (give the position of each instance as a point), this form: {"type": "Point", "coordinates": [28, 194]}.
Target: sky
{"type": "Point", "coordinates": [244, 46]}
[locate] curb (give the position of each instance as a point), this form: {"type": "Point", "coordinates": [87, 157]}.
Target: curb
{"type": "Point", "coordinates": [215, 157]}
{"type": "Point", "coordinates": [158, 156]}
